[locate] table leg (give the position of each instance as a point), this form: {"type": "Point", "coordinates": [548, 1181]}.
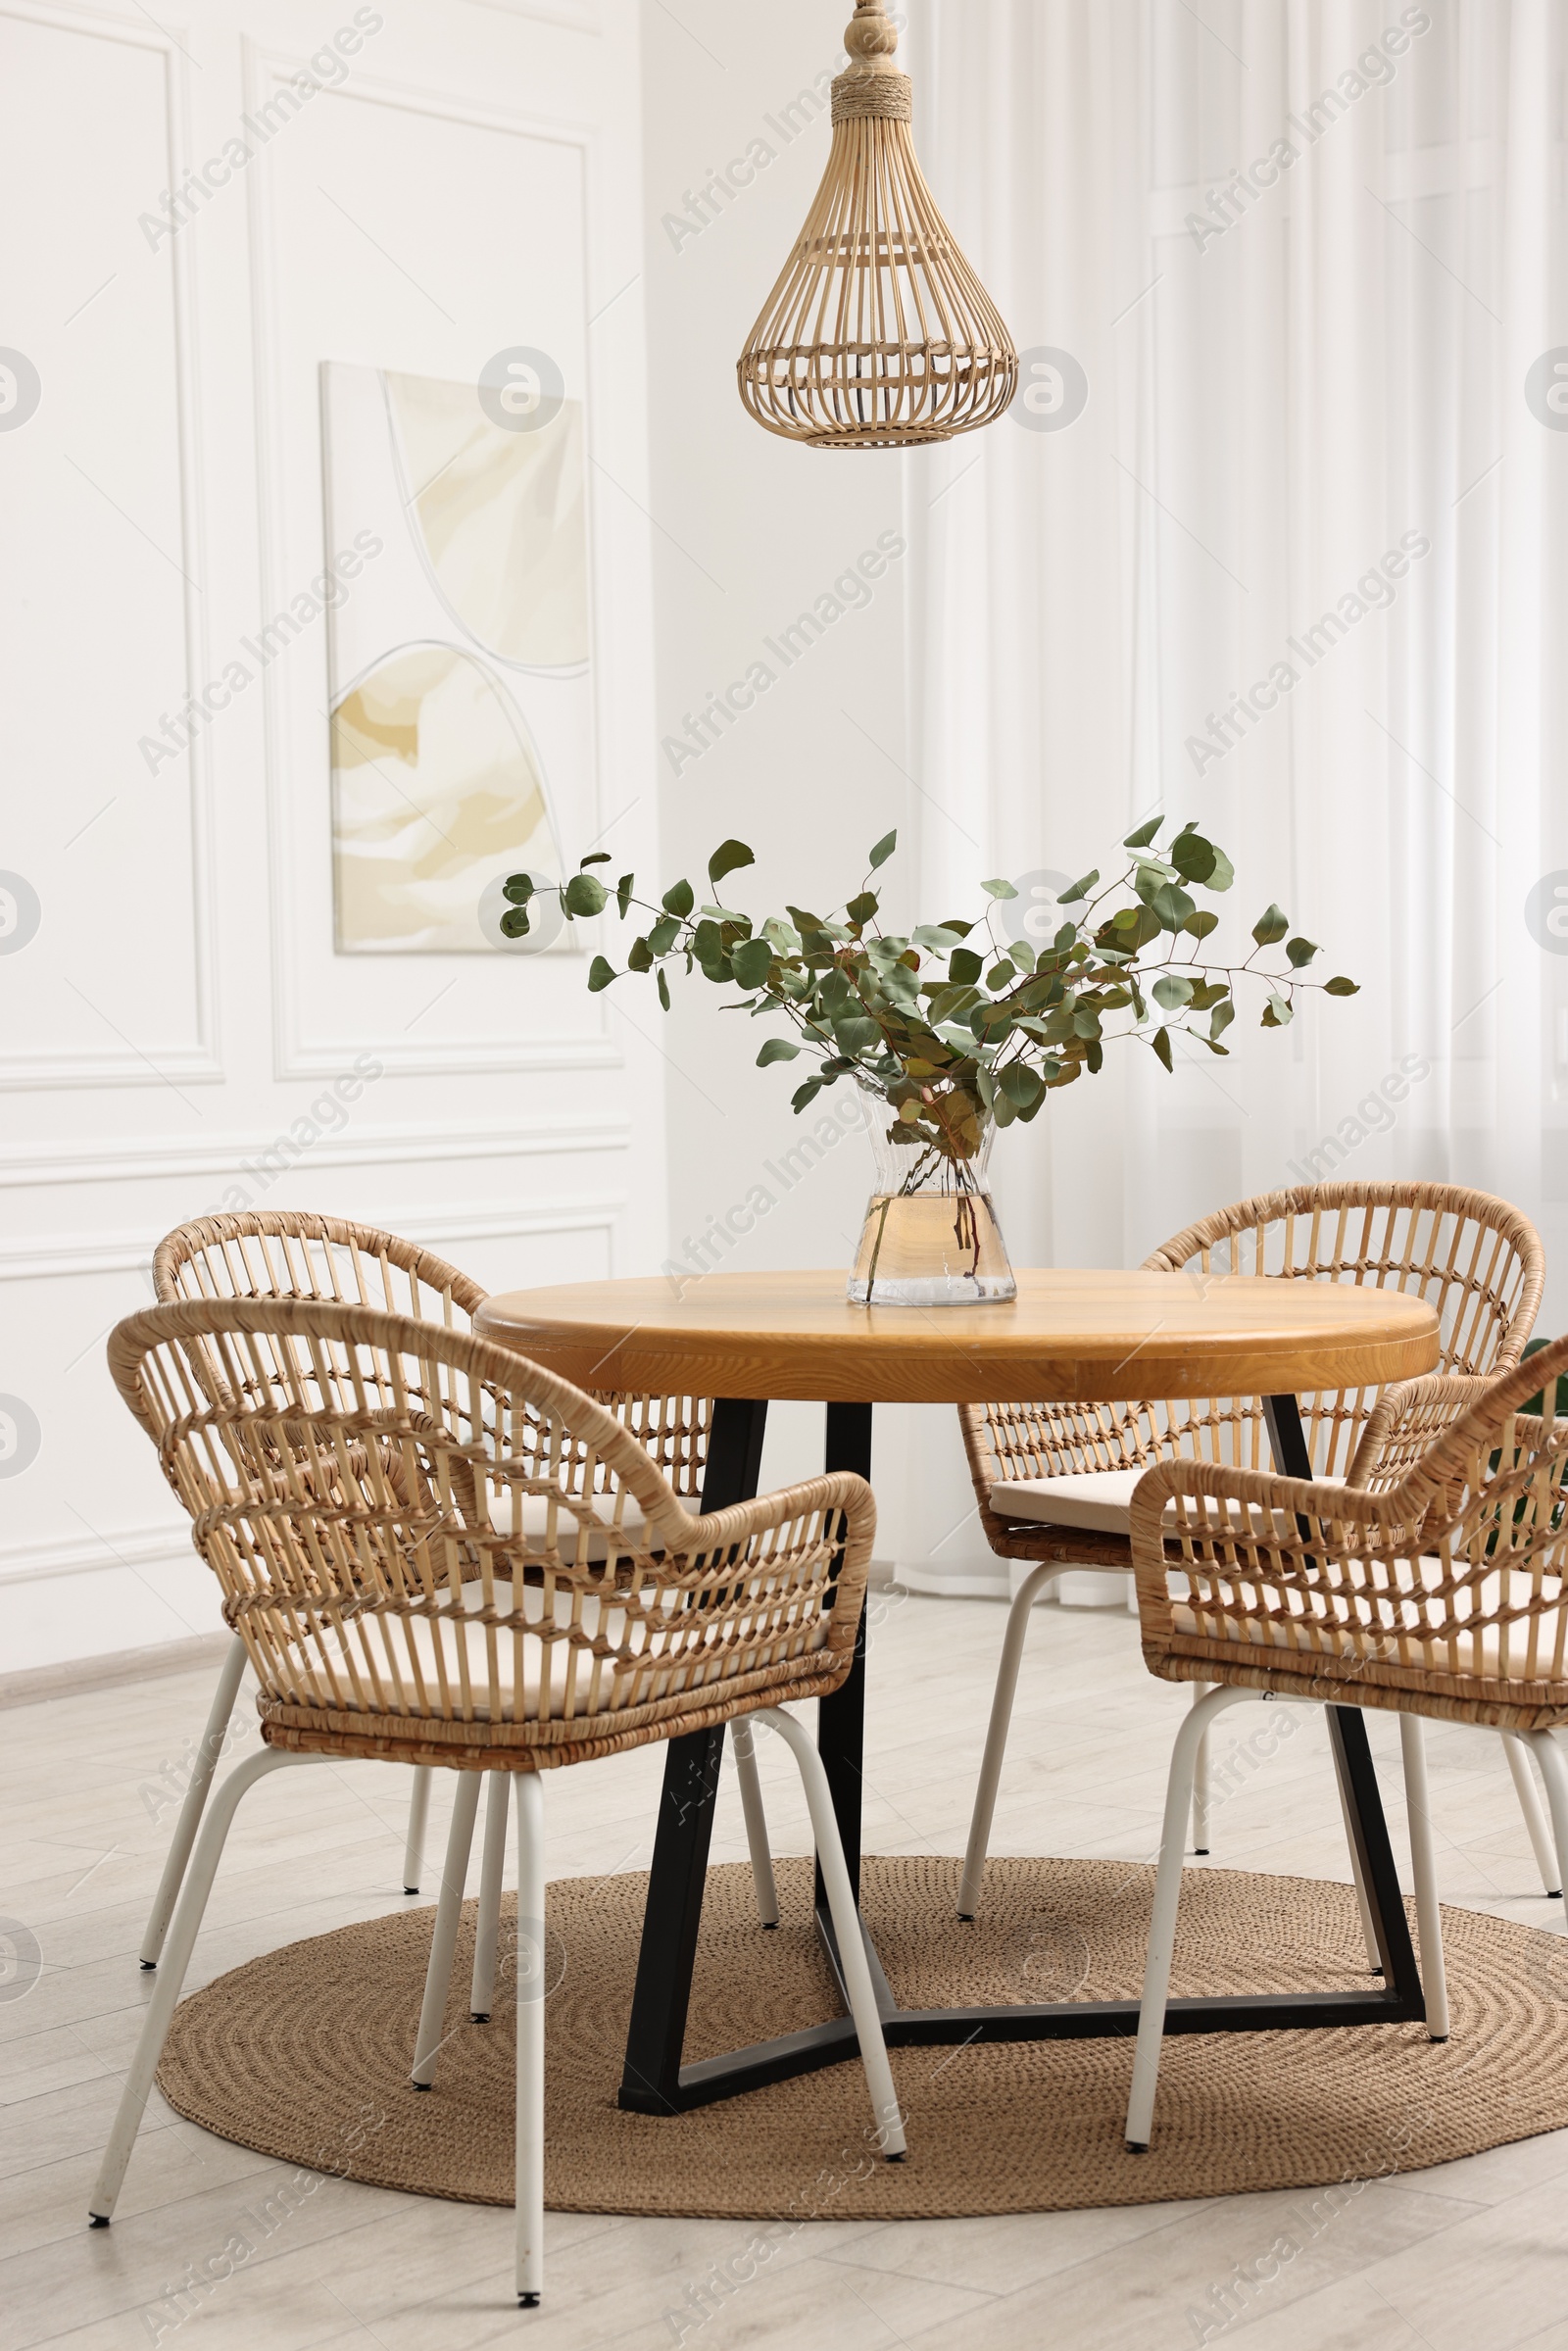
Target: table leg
{"type": "Point", "coordinates": [650, 2078]}
{"type": "Point", "coordinates": [841, 1718]}
{"type": "Point", "coordinates": [1371, 1854]}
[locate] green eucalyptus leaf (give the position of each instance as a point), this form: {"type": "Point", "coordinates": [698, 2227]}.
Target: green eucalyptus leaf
{"type": "Point", "coordinates": [752, 962]}
{"type": "Point", "coordinates": [1224, 873]}
{"type": "Point", "coordinates": [679, 898]}
{"type": "Point", "coordinates": [1020, 1083]}
{"type": "Point", "coordinates": [728, 858]}
{"type": "Point", "coordinates": [777, 1049]}
{"type": "Point", "coordinates": [1276, 1012]}
{"type": "Point", "coordinates": [1191, 855]}
{"type": "Point", "coordinates": [803, 1095]}
{"type": "Point", "coordinates": [1000, 889]}
{"type": "Point", "coordinates": [584, 894]}
{"type": "Point", "coordinates": [1171, 992]}
{"type": "Point", "coordinates": [1172, 906]}
{"type": "Point", "coordinates": [624, 890]}
{"type": "Point", "coordinates": [854, 1033]}
{"type": "Point", "coordinates": [515, 923]}
{"type": "Point", "coordinates": [1270, 927]}
{"type": "Point", "coordinates": [935, 936]}
{"type": "Point", "coordinates": [518, 888]}
{"type": "Point", "coordinates": [1340, 986]}
{"type": "Point", "coordinates": [1300, 952]}
{"type": "Point", "coordinates": [1079, 889]}
{"type": "Point", "coordinates": [1219, 1021]}
{"type": "Point", "coordinates": [1161, 1045]}
{"type": "Point", "coordinates": [1200, 922]}
{"type": "Point", "coordinates": [785, 936]}
{"type": "Point", "coordinates": [639, 955]}
{"type": "Point", "coordinates": [600, 974]}
{"type": "Point", "coordinates": [1145, 834]}
{"type": "Point", "coordinates": [963, 967]}
{"type": "Point", "coordinates": [663, 990]}
{"type": "Point", "coordinates": [664, 933]}
{"type": "Point", "coordinates": [861, 907]}
{"type": "Point", "coordinates": [595, 856]}
{"type": "Point", "coordinates": [883, 850]}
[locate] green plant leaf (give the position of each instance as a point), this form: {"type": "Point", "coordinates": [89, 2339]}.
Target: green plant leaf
{"type": "Point", "coordinates": [1200, 922]}
{"type": "Point", "coordinates": [805, 1096]}
{"type": "Point", "coordinates": [584, 894]}
{"type": "Point", "coordinates": [518, 888]}
{"type": "Point", "coordinates": [862, 909]}
{"type": "Point", "coordinates": [1270, 927]}
{"type": "Point", "coordinates": [854, 1033]}
{"type": "Point", "coordinates": [727, 858]}
{"type": "Point", "coordinates": [624, 890]}
{"type": "Point", "coordinates": [1020, 1083]}
{"type": "Point", "coordinates": [1172, 906]}
{"type": "Point", "coordinates": [639, 955]}
{"type": "Point", "coordinates": [595, 856]}
{"type": "Point", "coordinates": [883, 850]}
{"type": "Point", "coordinates": [1224, 873]}
{"type": "Point", "coordinates": [1171, 992]}
{"type": "Point", "coordinates": [678, 899]}
{"type": "Point", "coordinates": [1161, 1045]}
{"type": "Point", "coordinates": [1191, 855]}
{"type": "Point", "coordinates": [1300, 952]}
{"type": "Point", "coordinates": [1276, 1012]}
{"type": "Point", "coordinates": [600, 974]}
{"type": "Point", "coordinates": [1000, 889]}
{"type": "Point", "coordinates": [1079, 889]}
{"type": "Point", "coordinates": [515, 923]}
{"type": "Point", "coordinates": [1145, 834]}
{"type": "Point", "coordinates": [777, 1049]}
{"type": "Point", "coordinates": [1219, 1021]}
{"type": "Point", "coordinates": [936, 936]}
{"type": "Point", "coordinates": [1340, 986]}
{"type": "Point", "coordinates": [752, 962]}
{"type": "Point", "coordinates": [963, 967]}
{"type": "Point", "coordinates": [664, 933]}
{"type": "Point", "coordinates": [663, 991]}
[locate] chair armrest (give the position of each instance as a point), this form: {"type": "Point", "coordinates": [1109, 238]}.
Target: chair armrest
{"type": "Point", "coordinates": [1404, 1423]}
{"type": "Point", "coordinates": [746, 1526]}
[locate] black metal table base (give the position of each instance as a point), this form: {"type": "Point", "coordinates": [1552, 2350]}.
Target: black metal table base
{"type": "Point", "coordinates": [656, 2081]}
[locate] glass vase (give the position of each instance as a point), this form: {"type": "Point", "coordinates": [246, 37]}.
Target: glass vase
{"type": "Point", "coordinates": [931, 1236]}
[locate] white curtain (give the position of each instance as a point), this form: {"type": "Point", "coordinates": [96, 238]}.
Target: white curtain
{"type": "Point", "coordinates": [1311, 257]}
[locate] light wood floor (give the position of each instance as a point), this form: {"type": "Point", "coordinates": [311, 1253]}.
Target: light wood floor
{"type": "Point", "coordinates": [1472, 2255]}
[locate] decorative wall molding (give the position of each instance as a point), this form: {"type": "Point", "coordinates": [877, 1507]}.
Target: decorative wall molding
{"type": "Point", "coordinates": [296, 1053]}
{"type": "Point", "coordinates": [143, 1161]}
{"type": "Point", "coordinates": [197, 1064]}
{"type": "Point", "coordinates": [55, 1255]}
{"type": "Point", "coordinates": [126, 1551]}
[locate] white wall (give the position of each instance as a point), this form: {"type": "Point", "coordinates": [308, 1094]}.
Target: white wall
{"type": "Point", "coordinates": [748, 532]}
{"type": "Point", "coordinates": [179, 1007]}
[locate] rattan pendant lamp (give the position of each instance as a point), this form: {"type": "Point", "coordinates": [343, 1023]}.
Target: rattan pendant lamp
{"type": "Point", "coordinates": [878, 334]}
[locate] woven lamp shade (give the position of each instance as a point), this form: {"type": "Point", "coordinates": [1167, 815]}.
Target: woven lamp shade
{"type": "Point", "coordinates": [878, 334]}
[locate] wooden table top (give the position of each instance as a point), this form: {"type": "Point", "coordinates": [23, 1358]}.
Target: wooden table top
{"type": "Point", "coordinates": [1102, 1337]}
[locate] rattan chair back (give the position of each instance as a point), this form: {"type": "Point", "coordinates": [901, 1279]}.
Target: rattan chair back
{"type": "Point", "coordinates": [1450, 1588]}
{"type": "Point", "coordinates": [437, 1551]}
{"type": "Point", "coordinates": [1476, 1258]}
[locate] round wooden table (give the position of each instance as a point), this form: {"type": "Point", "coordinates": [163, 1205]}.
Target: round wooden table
{"type": "Point", "coordinates": [1081, 1335]}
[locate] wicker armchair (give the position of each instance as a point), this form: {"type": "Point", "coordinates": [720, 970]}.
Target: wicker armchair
{"type": "Point", "coordinates": [437, 1553]}
{"type": "Point", "coordinates": [1444, 1594]}
{"type": "Point", "coordinates": [1054, 1481]}
{"type": "Point", "coordinates": [296, 1254]}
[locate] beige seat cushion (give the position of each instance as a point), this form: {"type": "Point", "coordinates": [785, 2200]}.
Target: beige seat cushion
{"type": "Point", "coordinates": [1397, 1615]}
{"type": "Point", "coordinates": [1100, 1498]}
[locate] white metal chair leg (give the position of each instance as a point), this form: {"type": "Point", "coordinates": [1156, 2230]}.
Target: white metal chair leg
{"type": "Point", "coordinates": [972, 1876]}
{"type": "Point", "coordinates": [190, 1811]}
{"type": "Point", "coordinates": [1424, 1866]}
{"type": "Point", "coordinates": [1369, 1937]}
{"type": "Point", "coordinates": [1554, 1772]}
{"type": "Point", "coordinates": [1536, 1822]}
{"type": "Point", "coordinates": [1201, 1803]}
{"type": "Point", "coordinates": [481, 1993]}
{"type": "Point", "coordinates": [1162, 1922]}
{"type": "Point", "coordinates": [418, 1814]}
{"type": "Point", "coordinates": [756, 1824]}
{"type": "Point", "coordinates": [444, 1940]}
{"type": "Point", "coordinates": [172, 1974]}
{"type": "Point", "coordinates": [847, 1927]}
{"type": "Point", "coordinates": [532, 1988]}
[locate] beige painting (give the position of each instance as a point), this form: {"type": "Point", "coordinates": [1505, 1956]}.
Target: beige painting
{"type": "Point", "coordinates": [460, 715]}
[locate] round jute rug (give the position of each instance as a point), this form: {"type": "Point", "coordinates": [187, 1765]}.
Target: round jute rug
{"type": "Point", "coordinates": [304, 2054]}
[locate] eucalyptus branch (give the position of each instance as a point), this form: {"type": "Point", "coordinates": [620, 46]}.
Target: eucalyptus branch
{"type": "Point", "coordinates": [919, 1020]}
